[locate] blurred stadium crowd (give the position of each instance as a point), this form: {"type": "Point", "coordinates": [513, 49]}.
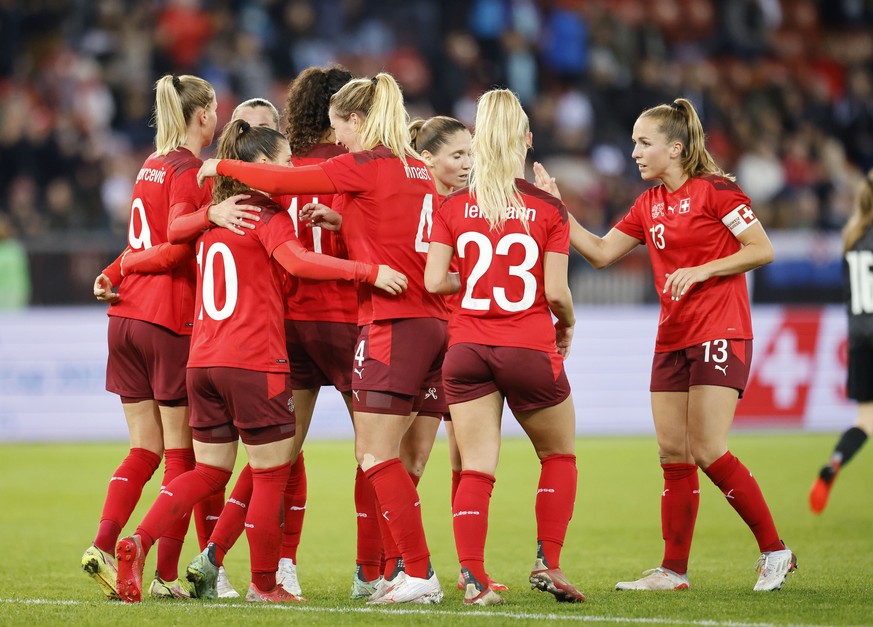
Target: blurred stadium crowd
{"type": "Point", "coordinates": [785, 88]}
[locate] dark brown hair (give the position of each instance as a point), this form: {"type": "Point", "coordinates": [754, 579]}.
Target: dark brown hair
{"type": "Point", "coordinates": [307, 104]}
{"type": "Point", "coordinates": [240, 140]}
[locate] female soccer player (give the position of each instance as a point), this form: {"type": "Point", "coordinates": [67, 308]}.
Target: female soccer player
{"type": "Point", "coordinates": [320, 323]}
{"type": "Point", "coordinates": [387, 196]}
{"type": "Point", "coordinates": [858, 247]}
{"type": "Point", "coordinates": [702, 237]}
{"type": "Point", "coordinates": [238, 370]}
{"type": "Point", "coordinates": [512, 245]}
{"type": "Point", "coordinates": [150, 323]}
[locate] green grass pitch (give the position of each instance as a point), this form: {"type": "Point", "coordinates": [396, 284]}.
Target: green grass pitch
{"type": "Point", "coordinates": [52, 496]}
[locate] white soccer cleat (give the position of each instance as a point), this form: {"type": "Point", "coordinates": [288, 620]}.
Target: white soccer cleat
{"type": "Point", "coordinates": [101, 567]}
{"type": "Point", "coordinates": [772, 568]}
{"type": "Point", "coordinates": [361, 588]}
{"type": "Point", "coordinates": [223, 587]}
{"type": "Point", "coordinates": [659, 578]}
{"type": "Point", "coordinates": [406, 589]}
{"type": "Point", "coordinates": [286, 576]}
{"type": "Point", "coordinates": [176, 589]}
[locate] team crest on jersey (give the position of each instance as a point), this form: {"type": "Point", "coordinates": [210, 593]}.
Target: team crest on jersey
{"type": "Point", "coordinates": [290, 404]}
{"type": "Point", "coordinates": [657, 210]}
{"type": "Point", "coordinates": [685, 205]}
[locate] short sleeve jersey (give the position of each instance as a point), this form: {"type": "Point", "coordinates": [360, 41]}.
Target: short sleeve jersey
{"type": "Point", "coordinates": [858, 282]}
{"type": "Point", "coordinates": [697, 223]}
{"type": "Point", "coordinates": [502, 296]}
{"type": "Point", "coordinates": [165, 299]}
{"type": "Point", "coordinates": [240, 311]}
{"type": "Point", "coordinates": [307, 299]}
{"type": "Point", "coordinates": [387, 216]}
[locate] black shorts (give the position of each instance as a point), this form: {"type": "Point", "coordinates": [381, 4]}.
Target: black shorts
{"type": "Point", "coordinates": [859, 380]}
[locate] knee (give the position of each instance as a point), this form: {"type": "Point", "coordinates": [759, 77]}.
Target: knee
{"type": "Point", "coordinates": [704, 453]}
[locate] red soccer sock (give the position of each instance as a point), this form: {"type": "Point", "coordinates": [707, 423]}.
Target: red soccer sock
{"type": "Point", "coordinates": [206, 515]}
{"type": "Point", "coordinates": [264, 523]}
{"type": "Point", "coordinates": [175, 501]}
{"type": "Point", "coordinates": [390, 551]}
{"type": "Point", "coordinates": [369, 548]}
{"type": "Point", "coordinates": [125, 488]}
{"type": "Point", "coordinates": [679, 503]}
{"type": "Point", "coordinates": [556, 495]}
{"type": "Point", "coordinates": [295, 509]}
{"type": "Point", "coordinates": [456, 481]}
{"type": "Point", "coordinates": [232, 521]}
{"type": "Point", "coordinates": [177, 462]}
{"type": "Point", "coordinates": [470, 521]}
{"type": "Point", "coordinates": [743, 493]}
{"type": "Point", "coordinates": [400, 505]}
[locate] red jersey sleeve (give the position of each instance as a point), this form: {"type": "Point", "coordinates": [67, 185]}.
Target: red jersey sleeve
{"type": "Point", "coordinates": [558, 235]}
{"type": "Point", "coordinates": [157, 259]}
{"type": "Point", "coordinates": [440, 232]}
{"type": "Point", "coordinates": [278, 179]}
{"type": "Point", "coordinates": [631, 224]}
{"type": "Point", "coordinates": [350, 173]}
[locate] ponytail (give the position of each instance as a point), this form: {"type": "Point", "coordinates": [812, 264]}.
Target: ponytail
{"type": "Point", "coordinates": [177, 100]}
{"type": "Point", "coordinates": [380, 103]}
{"type": "Point", "coordinates": [679, 122]}
{"type": "Point", "coordinates": [862, 215]}
{"type": "Point", "coordinates": [499, 150]}
{"type": "Point", "coordinates": [240, 140]}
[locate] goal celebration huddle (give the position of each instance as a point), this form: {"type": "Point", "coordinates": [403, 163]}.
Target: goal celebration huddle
{"type": "Point", "coordinates": [412, 267]}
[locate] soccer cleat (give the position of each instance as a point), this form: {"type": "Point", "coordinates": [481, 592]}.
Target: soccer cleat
{"type": "Point", "coordinates": [659, 578]}
{"type": "Point", "coordinates": [772, 568]}
{"type": "Point", "coordinates": [223, 587]}
{"type": "Point", "coordinates": [100, 566]}
{"type": "Point", "coordinates": [131, 560]}
{"type": "Point", "coordinates": [203, 574]}
{"type": "Point", "coordinates": [361, 588]}
{"type": "Point", "coordinates": [383, 584]}
{"type": "Point", "coordinates": [407, 589]}
{"type": "Point", "coordinates": [821, 489]}
{"type": "Point", "coordinates": [478, 593]}
{"type": "Point", "coordinates": [276, 595]}
{"type": "Point", "coordinates": [497, 587]}
{"type": "Point", "coordinates": [177, 589]}
{"type": "Point", "coordinates": [286, 576]}
{"type": "Point", "coordinates": [553, 581]}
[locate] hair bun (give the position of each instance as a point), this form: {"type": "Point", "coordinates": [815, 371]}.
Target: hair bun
{"type": "Point", "coordinates": [176, 82]}
{"type": "Point", "coordinates": [244, 126]}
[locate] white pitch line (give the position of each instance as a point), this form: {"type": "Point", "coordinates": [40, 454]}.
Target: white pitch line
{"type": "Point", "coordinates": [470, 613]}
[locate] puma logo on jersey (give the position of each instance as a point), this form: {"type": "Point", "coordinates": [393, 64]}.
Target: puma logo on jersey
{"type": "Point", "coordinates": [360, 372]}
{"type": "Point", "coordinates": [722, 368]}
{"type": "Point", "coordinates": [355, 392]}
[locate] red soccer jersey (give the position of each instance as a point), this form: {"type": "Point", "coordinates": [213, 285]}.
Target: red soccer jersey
{"type": "Point", "coordinates": [166, 299]}
{"type": "Point", "coordinates": [240, 313]}
{"type": "Point", "coordinates": [502, 297]}
{"type": "Point", "coordinates": [387, 214]}
{"type": "Point", "coordinates": [695, 224]}
{"type": "Point", "coordinates": [326, 301]}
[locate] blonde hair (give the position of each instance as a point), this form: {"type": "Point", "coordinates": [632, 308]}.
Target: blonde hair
{"type": "Point", "coordinates": [862, 215]}
{"type": "Point", "coordinates": [499, 149]}
{"type": "Point", "coordinates": [679, 122]}
{"type": "Point", "coordinates": [380, 102]}
{"type": "Point", "coordinates": [177, 100]}
{"type": "Point", "coordinates": [258, 103]}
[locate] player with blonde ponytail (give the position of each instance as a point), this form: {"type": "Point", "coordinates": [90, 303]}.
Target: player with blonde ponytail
{"type": "Point", "coordinates": [388, 195]}
{"type": "Point", "coordinates": [702, 237]}
{"type": "Point", "coordinates": [511, 242]}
